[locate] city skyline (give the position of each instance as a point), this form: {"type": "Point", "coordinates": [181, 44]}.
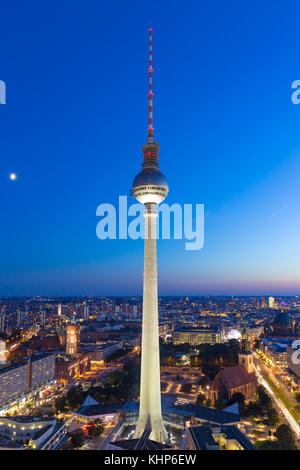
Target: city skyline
{"type": "Point", "coordinates": [149, 240]}
{"type": "Point", "coordinates": [228, 132]}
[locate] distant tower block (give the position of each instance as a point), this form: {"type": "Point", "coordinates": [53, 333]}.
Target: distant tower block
{"type": "Point", "coordinates": [19, 317]}
{"type": "Point", "coordinates": [86, 312]}
{"type": "Point", "coordinates": [42, 318]}
{"type": "Point", "coordinates": [271, 302]}
{"type": "Point", "coordinates": [72, 339]}
{"type": "Point", "coordinates": [150, 187]}
{"type": "Point", "coordinates": [2, 323]}
{"type": "Point", "coordinates": [3, 353]}
{"type": "Point", "coordinates": [59, 310]}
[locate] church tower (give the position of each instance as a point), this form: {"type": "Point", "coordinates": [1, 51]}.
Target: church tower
{"type": "Point", "coordinates": [245, 355]}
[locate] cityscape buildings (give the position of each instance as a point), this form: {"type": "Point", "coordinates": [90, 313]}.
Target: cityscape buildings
{"type": "Point", "coordinates": [25, 378]}
{"type": "Point", "coordinates": [91, 357]}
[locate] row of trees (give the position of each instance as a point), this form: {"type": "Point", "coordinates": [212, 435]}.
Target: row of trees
{"type": "Point", "coordinates": [72, 400]}
{"type": "Point", "coordinates": [120, 385]}
{"type": "Point", "coordinates": [210, 357]}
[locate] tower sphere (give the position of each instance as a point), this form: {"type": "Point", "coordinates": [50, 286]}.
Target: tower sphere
{"type": "Point", "coordinates": [150, 186]}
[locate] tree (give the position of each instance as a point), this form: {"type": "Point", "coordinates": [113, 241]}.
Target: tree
{"type": "Point", "coordinates": [264, 399]}
{"type": "Point", "coordinates": [200, 399]}
{"type": "Point", "coordinates": [210, 370]}
{"type": "Point", "coordinates": [115, 379]}
{"type": "Point", "coordinates": [272, 417]}
{"type": "Point", "coordinates": [253, 409]}
{"type": "Point", "coordinates": [117, 354]}
{"type": "Point", "coordinates": [236, 398]}
{"type": "Point", "coordinates": [219, 404]}
{"type": "Point", "coordinates": [183, 348]}
{"type": "Point", "coordinates": [285, 437]}
{"type": "Point", "coordinates": [60, 404]}
{"type": "Point", "coordinates": [77, 440]}
{"type": "Point", "coordinates": [96, 428]}
{"type": "Point", "coordinates": [75, 397]}
{"type": "Point", "coordinates": [203, 381]}
{"type": "Point", "coordinates": [267, 445]}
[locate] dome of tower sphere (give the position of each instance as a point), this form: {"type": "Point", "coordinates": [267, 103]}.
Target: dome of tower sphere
{"type": "Point", "coordinates": [150, 186]}
{"type": "Point", "coordinates": [150, 177]}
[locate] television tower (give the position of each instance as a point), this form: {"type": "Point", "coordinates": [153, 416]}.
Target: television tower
{"type": "Point", "coordinates": [150, 187]}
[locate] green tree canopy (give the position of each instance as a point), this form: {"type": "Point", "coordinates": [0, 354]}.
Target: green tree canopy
{"type": "Point", "coordinates": [77, 439]}
{"type": "Point", "coordinates": [200, 399]}
{"type": "Point", "coordinates": [285, 437]}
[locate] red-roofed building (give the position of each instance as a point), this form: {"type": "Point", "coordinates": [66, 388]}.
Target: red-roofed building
{"type": "Point", "coordinates": [233, 380]}
{"type": "Point", "coordinates": [238, 379]}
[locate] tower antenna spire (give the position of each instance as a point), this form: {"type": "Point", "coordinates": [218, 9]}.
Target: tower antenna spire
{"type": "Point", "coordinates": [150, 94]}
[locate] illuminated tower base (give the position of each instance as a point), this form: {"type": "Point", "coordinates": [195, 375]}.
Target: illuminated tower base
{"type": "Point", "coordinates": [150, 416]}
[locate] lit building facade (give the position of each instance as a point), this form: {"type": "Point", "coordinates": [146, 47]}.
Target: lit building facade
{"type": "Point", "coordinates": [30, 432]}
{"type": "Point", "coordinates": [67, 367]}
{"type": "Point", "coordinates": [196, 336]}
{"type": "Point", "coordinates": [271, 302]}
{"type": "Point", "coordinates": [18, 379]}
{"type": "Point", "coordinates": [72, 339]}
{"type": "Point", "coordinates": [3, 352]}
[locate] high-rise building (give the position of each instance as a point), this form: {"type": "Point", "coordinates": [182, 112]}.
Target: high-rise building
{"type": "Point", "coordinates": [2, 323]}
{"type": "Point", "coordinates": [271, 302]}
{"type": "Point", "coordinates": [43, 318]}
{"type": "Point", "coordinates": [59, 309]}
{"type": "Point", "coordinates": [3, 353]}
{"type": "Point", "coordinates": [19, 317]}
{"type": "Point", "coordinates": [29, 374]}
{"type": "Point", "coordinates": [150, 187]}
{"type": "Point", "coordinates": [86, 312]}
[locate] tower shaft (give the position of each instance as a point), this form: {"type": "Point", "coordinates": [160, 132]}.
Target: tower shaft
{"type": "Point", "coordinates": [150, 415]}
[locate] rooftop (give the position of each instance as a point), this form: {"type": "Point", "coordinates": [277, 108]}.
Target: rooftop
{"type": "Point", "coordinates": [143, 443]}
{"type": "Point", "coordinates": [206, 414]}
{"type": "Point", "coordinates": [9, 444]}
{"type": "Point", "coordinates": [203, 437]}
{"type": "Point", "coordinates": [97, 410]}
{"type": "Point", "coordinates": [236, 376]}
{"type": "Point", "coordinates": [27, 419]}
{"type": "Point", "coordinates": [195, 330]}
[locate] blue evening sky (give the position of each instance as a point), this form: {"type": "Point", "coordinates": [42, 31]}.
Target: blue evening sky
{"type": "Point", "coordinates": [76, 118]}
